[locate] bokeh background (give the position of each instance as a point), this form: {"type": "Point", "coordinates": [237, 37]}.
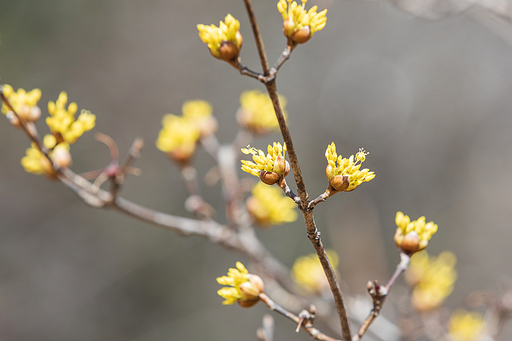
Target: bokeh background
{"type": "Point", "coordinates": [430, 100]}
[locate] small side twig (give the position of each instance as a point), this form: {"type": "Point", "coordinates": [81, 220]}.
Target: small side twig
{"type": "Point", "coordinates": [379, 294]}
{"type": "Point", "coordinates": [304, 321]}
{"type": "Point", "coordinates": [266, 332]}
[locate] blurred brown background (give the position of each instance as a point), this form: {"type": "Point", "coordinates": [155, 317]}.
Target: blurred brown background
{"type": "Point", "coordinates": [430, 100]}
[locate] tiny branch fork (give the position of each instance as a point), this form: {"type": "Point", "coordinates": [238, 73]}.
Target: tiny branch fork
{"type": "Point", "coordinates": [312, 231]}
{"type": "Point", "coordinates": [304, 320]}
{"type": "Point", "coordinates": [379, 294]}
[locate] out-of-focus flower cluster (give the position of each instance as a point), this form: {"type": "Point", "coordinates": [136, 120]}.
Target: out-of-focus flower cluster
{"type": "Point", "coordinates": [299, 25]}
{"type": "Point", "coordinates": [269, 168]}
{"type": "Point", "coordinates": [225, 41]}
{"type": "Point", "coordinates": [24, 104]}
{"type": "Point", "coordinates": [269, 206]}
{"type": "Point", "coordinates": [432, 279]}
{"type": "Point", "coordinates": [243, 287]}
{"type": "Point", "coordinates": [344, 174]}
{"type": "Point", "coordinates": [466, 326]}
{"type": "Point", "coordinates": [180, 134]}
{"type": "Point", "coordinates": [413, 236]}
{"type": "Point", "coordinates": [256, 112]}
{"type": "Point", "coordinates": [65, 129]}
{"type": "Point", "coordinates": [63, 124]}
{"type": "Point", "coordinates": [308, 273]}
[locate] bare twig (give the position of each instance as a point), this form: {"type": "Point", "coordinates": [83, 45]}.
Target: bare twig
{"type": "Point", "coordinates": [266, 332]}
{"type": "Point", "coordinates": [305, 321]}
{"type": "Point", "coordinates": [379, 294]}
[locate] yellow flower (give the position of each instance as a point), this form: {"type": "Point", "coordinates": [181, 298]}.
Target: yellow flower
{"type": "Point", "coordinates": [24, 103]}
{"type": "Point", "coordinates": [346, 176]}
{"type": "Point", "coordinates": [299, 25]}
{"type": "Point", "coordinates": [432, 278]}
{"type": "Point", "coordinates": [35, 162]}
{"type": "Point", "coordinates": [224, 41]}
{"type": "Point", "coordinates": [466, 326]}
{"type": "Point", "coordinates": [309, 274]}
{"type": "Point", "coordinates": [178, 137]}
{"type": "Point", "coordinates": [270, 168]}
{"type": "Point", "coordinates": [244, 287]}
{"type": "Point", "coordinates": [62, 121]}
{"type": "Point", "coordinates": [200, 112]}
{"type": "Point", "coordinates": [256, 112]}
{"type": "Point", "coordinates": [269, 206]}
{"type": "Point", "coordinates": [413, 236]}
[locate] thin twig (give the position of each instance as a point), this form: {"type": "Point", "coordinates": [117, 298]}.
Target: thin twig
{"type": "Point", "coordinates": [305, 323]}
{"type": "Point", "coordinates": [379, 294]}
{"type": "Point", "coordinates": [285, 55]}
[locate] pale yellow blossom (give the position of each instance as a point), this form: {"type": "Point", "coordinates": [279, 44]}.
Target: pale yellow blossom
{"type": "Point", "coordinates": [269, 206]}
{"type": "Point", "coordinates": [243, 287]}
{"type": "Point", "coordinates": [269, 168]}
{"type": "Point", "coordinates": [307, 271]}
{"type": "Point", "coordinates": [24, 104]}
{"type": "Point", "coordinates": [225, 41]}
{"type": "Point", "coordinates": [298, 24]}
{"type": "Point", "coordinates": [345, 174]}
{"type": "Point", "coordinates": [62, 122]}
{"type": "Point", "coordinates": [413, 236]}
{"type": "Point", "coordinates": [466, 326]}
{"type": "Point", "coordinates": [432, 279]}
{"type": "Point", "coordinates": [256, 112]}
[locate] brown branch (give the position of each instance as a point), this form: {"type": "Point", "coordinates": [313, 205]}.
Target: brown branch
{"type": "Point", "coordinates": [305, 320]}
{"type": "Point", "coordinates": [257, 37]}
{"type": "Point", "coordinates": [312, 231]}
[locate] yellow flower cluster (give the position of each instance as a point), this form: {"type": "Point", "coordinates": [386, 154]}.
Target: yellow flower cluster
{"type": "Point", "coordinates": [432, 278]}
{"type": "Point", "coordinates": [225, 41]}
{"type": "Point", "coordinates": [270, 168]}
{"type": "Point", "coordinates": [180, 134]}
{"type": "Point", "coordinates": [413, 236]}
{"type": "Point", "coordinates": [346, 176]}
{"type": "Point", "coordinates": [269, 206]}
{"type": "Point", "coordinates": [244, 288]}
{"type": "Point", "coordinates": [299, 25]}
{"type": "Point", "coordinates": [64, 129]}
{"type": "Point", "coordinates": [466, 326]}
{"type": "Point", "coordinates": [62, 122]}
{"type": "Point", "coordinates": [36, 162]}
{"type": "Point", "coordinates": [256, 112]}
{"type": "Point", "coordinates": [24, 104]}
{"type": "Point", "coordinates": [309, 274]}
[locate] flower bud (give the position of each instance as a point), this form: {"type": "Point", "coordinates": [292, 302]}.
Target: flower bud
{"type": "Point", "coordinates": [409, 244]}
{"type": "Point", "coordinates": [35, 113]}
{"type": "Point", "coordinates": [13, 119]}
{"type": "Point", "coordinates": [250, 291]}
{"type": "Point", "coordinates": [280, 166]}
{"type": "Point", "coordinates": [302, 35]}
{"type": "Point", "coordinates": [269, 178]}
{"type": "Point", "coordinates": [61, 157]}
{"type": "Point", "coordinates": [227, 51]}
{"type": "Point", "coordinates": [288, 27]}
{"type": "Point", "coordinates": [339, 182]}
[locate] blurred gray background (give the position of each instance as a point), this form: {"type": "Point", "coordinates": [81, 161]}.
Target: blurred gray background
{"type": "Point", "coordinates": [430, 100]}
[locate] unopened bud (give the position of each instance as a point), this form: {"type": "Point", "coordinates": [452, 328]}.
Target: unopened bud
{"type": "Point", "coordinates": [409, 244]}
{"type": "Point", "coordinates": [280, 166]}
{"type": "Point", "coordinates": [35, 113]}
{"type": "Point", "coordinates": [229, 50]}
{"type": "Point", "coordinates": [24, 112]}
{"type": "Point", "coordinates": [13, 119]}
{"type": "Point", "coordinates": [61, 157]}
{"type": "Point", "coordinates": [269, 178]}
{"type": "Point", "coordinates": [339, 182]}
{"type": "Point", "coordinates": [288, 27]}
{"type": "Point", "coordinates": [250, 291]}
{"type": "Point", "coordinates": [302, 35]}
